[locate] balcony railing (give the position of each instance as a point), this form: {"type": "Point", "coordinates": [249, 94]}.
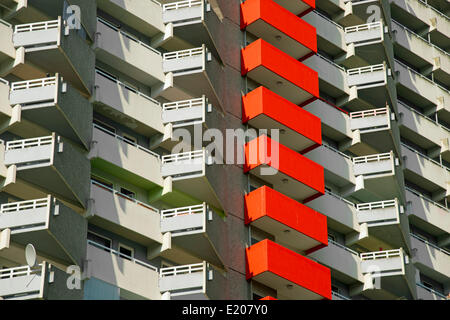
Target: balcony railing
{"type": "Point", "coordinates": [37, 26]}
{"type": "Point", "coordinates": [178, 105]}
{"type": "Point", "coordinates": [171, 213]}
{"type": "Point", "coordinates": [123, 256]}
{"type": "Point", "coordinates": [429, 244]}
{"type": "Point", "coordinates": [20, 272]}
{"type": "Point", "coordinates": [115, 192]}
{"type": "Point", "coordinates": [331, 62]}
{"type": "Point", "coordinates": [368, 113]}
{"type": "Point", "coordinates": [421, 75]}
{"type": "Point", "coordinates": [185, 112]}
{"type": "Point", "coordinates": [339, 296]}
{"type": "Point", "coordinates": [337, 151]}
{"type": "Point", "coordinates": [425, 157]}
{"type": "Point", "coordinates": [427, 199]}
{"type": "Point", "coordinates": [113, 79]}
{"type": "Point", "coordinates": [423, 116]}
{"type": "Point", "coordinates": [182, 4]}
{"type": "Point", "coordinates": [376, 205]}
{"type": "Point", "coordinates": [182, 54]}
{"type": "Point", "coordinates": [432, 290]}
{"type": "Point", "coordinates": [365, 70]}
{"type": "Point", "coordinates": [372, 158]}
{"type": "Point", "coordinates": [380, 255]}
{"type": "Point", "coordinates": [193, 155]}
{"type": "Point", "coordinates": [181, 270]}
{"type": "Point", "coordinates": [24, 205]}
{"type": "Point", "coordinates": [5, 23]}
{"type": "Point", "coordinates": [4, 81]}
{"type": "Point", "coordinates": [127, 35]}
{"type": "Point", "coordinates": [343, 247]}
{"type": "Point", "coordinates": [340, 198]}
{"type": "Point", "coordinates": [126, 140]}
{"type": "Point", "coordinates": [29, 143]}
{"type": "Point", "coordinates": [30, 84]}
{"type": "Point", "coordinates": [364, 27]}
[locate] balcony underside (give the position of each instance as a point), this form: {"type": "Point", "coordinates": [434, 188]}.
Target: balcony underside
{"type": "Point", "coordinates": [375, 141]}
{"type": "Point", "coordinates": [379, 188]}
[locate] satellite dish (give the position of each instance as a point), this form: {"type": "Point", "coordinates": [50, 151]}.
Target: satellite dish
{"type": "Point", "coordinates": [30, 255]}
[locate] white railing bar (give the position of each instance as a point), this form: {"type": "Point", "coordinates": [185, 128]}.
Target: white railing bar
{"type": "Point", "coordinates": [170, 213]}
{"type": "Point", "coordinates": [107, 76]}
{"type": "Point", "coordinates": [127, 35]}
{"type": "Point", "coordinates": [356, 71]}
{"type": "Point", "coordinates": [186, 269]}
{"type": "Point", "coordinates": [36, 83]}
{"type": "Point", "coordinates": [4, 81]}
{"type": "Point", "coordinates": [121, 255]}
{"type": "Point", "coordinates": [36, 26]}
{"type": "Point", "coordinates": [183, 104]}
{"type": "Point", "coordinates": [375, 205]}
{"type": "Point", "coordinates": [28, 143]}
{"type": "Point", "coordinates": [429, 244]}
{"type": "Point", "coordinates": [23, 205]}
{"type": "Point", "coordinates": [20, 271]}
{"type": "Point", "coordinates": [182, 53]}
{"type": "Point", "coordinates": [372, 158]}
{"type": "Point", "coordinates": [368, 113]}
{"type": "Point", "coordinates": [380, 254]}
{"type": "Point", "coordinates": [181, 4]}
{"type": "Point", "coordinates": [363, 27]}
{"type": "Point", "coordinates": [183, 156]}
{"type": "Point", "coordinates": [126, 141]}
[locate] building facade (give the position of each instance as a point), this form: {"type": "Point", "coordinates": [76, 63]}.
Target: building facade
{"type": "Point", "coordinates": [225, 149]}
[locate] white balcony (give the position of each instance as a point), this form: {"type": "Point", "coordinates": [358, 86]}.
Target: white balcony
{"type": "Point", "coordinates": [384, 263]}
{"type": "Point", "coordinates": [185, 165]}
{"type": "Point", "coordinates": [30, 153]}
{"type": "Point", "coordinates": [48, 46]}
{"type": "Point", "coordinates": [128, 54]}
{"type": "Point", "coordinates": [41, 282]}
{"type": "Point", "coordinates": [186, 112]}
{"type": "Point", "coordinates": [364, 34]}
{"type": "Point", "coordinates": [184, 12]}
{"type": "Point", "coordinates": [123, 271]}
{"type": "Point", "coordinates": [38, 35]}
{"type": "Point", "coordinates": [372, 131]}
{"type": "Point", "coordinates": [185, 220]}
{"type": "Point", "coordinates": [375, 165]}
{"type": "Point", "coordinates": [188, 282]}
{"type": "Point", "coordinates": [379, 213]}
{"type": "Point", "coordinates": [368, 77]}
{"type": "Point", "coordinates": [126, 105]}
{"type": "Point", "coordinates": [49, 102]}
{"type": "Point", "coordinates": [186, 61]}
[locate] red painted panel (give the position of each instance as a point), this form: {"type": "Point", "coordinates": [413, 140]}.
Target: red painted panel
{"type": "Point", "coordinates": [281, 19]}
{"type": "Point", "coordinates": [261, 53]}
{"type": "Point", "coordinates": [268, 202]}
{"type": "Point", "coordinates": [264, 101]}
{"type": "Point", "coordinates": [290, 163]}
{"type": "Point", "coordinates": [267, 256]}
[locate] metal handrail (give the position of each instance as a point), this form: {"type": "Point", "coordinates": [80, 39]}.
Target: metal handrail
{"type": "Point", "coordinates": [343, 247]}
{"type": "Point", "coordinates": [29, 143]}
{"type": "Point", "coordinates": [334, 293]}
{"type": "Point", "coordinates": [340, 198]}
{"type": "Point", "coordinates": [421, 75]}
{"type": "Point", "coordinates": [170, 213]}
{"type": "Point", "coordinates": [181, 5]}
{"type": "Point", "coordinates": [183, 156]}
{"type": "Point", "coordinates": [427, 199]}
{"type": "Point", "coordinates": [182, 54]}
{"type": "Point", "coordinates": [107, 76]}
{"type": "Point", "coordinates": [372, 158]}
{"type": "Point", "coordinates": [420, 37]}
{"type": "Point", "coordinates": [37, 26]}
{"type": "Point", "coordinates": [5, 23]}
{"type": "Point", "coordinates": [337, 151]}
{"type": "Point", "coordinates": [23, 205]}
{"type": "Point", "coordinates": [380, 254]}
{"type": "Point", "coordinates": [36, 83]}
{"type": "Point", "coordinates": [424, 156]}
{"type": "Point", "coordinates": [115, 192]}
{"type": "Point", "coordinates": [431, 290]}
{"type": "Point", "coordinates": [326, 18]}
{"type": "Point", "coordinates": [429, 243]}
{"type": "Point", "coordinates": [115, 135]}
{"type": "Point", "coordinates": [179, 270]}
{"type": "Point", "coordinates": [368, 113]}
{"type": "Point", "coordinates": [376, 205]}
{"type": "Point", "coordinates": [331, 62]}
{"type": "Point", "coordinates": [127, 35]}
{"type": "Point", "coordinates": [121, 255]}
{"type": "Point", "coordinates": [10, 273]}
{"type": "Point", "coordinates": [4, 81]}
{"type": "Point", "coordinates": [424, 116]}
{"type": "Point", "coordinates": [434, 9]}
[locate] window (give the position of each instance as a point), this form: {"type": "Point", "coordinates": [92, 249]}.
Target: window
{"type": "Point", "coordinates": [98, 239]}
{"type": "Point", "coordinates": [102, 182]}
{"type": "Point", "coordinates": [127, 193]}
{"type": "Point", "coordinates": [126, 252]}
{"type": "Point", "coordinates": [104, 127]}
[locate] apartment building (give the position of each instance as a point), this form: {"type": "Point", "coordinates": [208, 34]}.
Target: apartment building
{"type": "Point", "coordinates": [99, 101]}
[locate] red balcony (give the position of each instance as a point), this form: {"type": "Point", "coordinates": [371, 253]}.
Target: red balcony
{"type": "Point", "coordinates": [297, 7]}
{"type": "Point", "coordinates": [280, 27]}
{"type": "Point", "coordinates": [291, 274]}
{"type": "Point", "coordinates": [290, 173]}
{"type": "Point", "coordinates": [291, 222]}
{"type": "Point", "coordinates": [299, 129]}
{"type": "Point", "coordinates": [278, 71]}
